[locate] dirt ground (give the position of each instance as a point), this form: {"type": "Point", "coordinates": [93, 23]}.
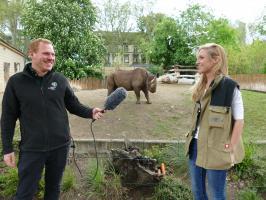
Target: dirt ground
{"type": "Point", "coordinates": [168, 117]}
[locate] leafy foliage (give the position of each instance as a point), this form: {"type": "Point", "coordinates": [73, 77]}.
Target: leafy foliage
{"type": "Point", "coordinates": [248, 59]}
{"type": "Point", "coordinates": [69, 180]}
{"type": "Point", "coordinates": [10, 18]}
{"type": "Point", "coordinates": [252, 169]}
{"type": "Point", "coordinates": [69, 26]}
{"type": "Point", "coordinates": [248, 194]}
{"type": "Point", "coordinates": [156, 70]}
{"type": "Point", "coordinates": [171, 188]}
{"type": "Point", "coordinates": [106, 184]}
{"type": "Point", "coordinates": [9, 182]}
{"type": "Point", "coordinates": [169, 45]}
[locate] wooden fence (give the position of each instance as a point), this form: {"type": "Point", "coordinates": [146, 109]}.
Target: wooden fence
{"type": "Point", "coordinates": [88, 83]}
{"type": "Point", "coordinates": [247, 81]}
{"type": "Point", "coordinates": [255, 82]}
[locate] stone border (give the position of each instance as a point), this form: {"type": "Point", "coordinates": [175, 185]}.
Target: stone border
{"type": "Point", "coordinates": [105, 145]}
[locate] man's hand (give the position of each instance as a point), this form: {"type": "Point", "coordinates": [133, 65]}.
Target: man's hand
{"type": "Point", "coordinates": [10, 160]}
{"type": "Point", "coordinates": [97, 113]}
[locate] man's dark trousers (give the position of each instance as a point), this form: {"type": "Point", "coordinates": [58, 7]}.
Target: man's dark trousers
{"type": "Point", "coordinates": [30, 167]}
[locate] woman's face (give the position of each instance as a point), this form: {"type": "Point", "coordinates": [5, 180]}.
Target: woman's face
{"type": "Point", "coordinates": [204, 62]}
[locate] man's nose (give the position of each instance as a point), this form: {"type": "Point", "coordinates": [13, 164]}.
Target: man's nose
{"type": "Point", "coordinates": [51, 57]}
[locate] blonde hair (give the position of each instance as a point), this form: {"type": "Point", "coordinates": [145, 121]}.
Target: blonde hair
{"type": "Point", "coordinates": [214, 51]}
{"type": "Point", "coordinates": [34, 44]}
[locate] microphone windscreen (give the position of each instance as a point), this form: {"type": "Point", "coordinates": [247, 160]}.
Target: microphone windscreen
{"type": "Point", "coordinates": [115, 98]}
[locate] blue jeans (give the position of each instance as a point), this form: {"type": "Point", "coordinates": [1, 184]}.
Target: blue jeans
{"type": "Point", "coordinates": [216, 178]}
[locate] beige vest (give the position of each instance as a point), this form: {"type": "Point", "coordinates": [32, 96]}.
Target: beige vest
{"type": "Point", "coordinates": [214, 133]}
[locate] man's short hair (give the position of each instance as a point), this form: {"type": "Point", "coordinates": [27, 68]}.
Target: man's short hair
{"type": "Point", "coordinates": [34, 44]}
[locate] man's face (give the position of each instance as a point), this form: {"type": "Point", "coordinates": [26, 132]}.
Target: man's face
{"type": "Point", "coordinates": [44, 58]}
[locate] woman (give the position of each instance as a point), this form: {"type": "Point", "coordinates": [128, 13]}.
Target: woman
{"type": "Point", "coordinates": [214, 142]}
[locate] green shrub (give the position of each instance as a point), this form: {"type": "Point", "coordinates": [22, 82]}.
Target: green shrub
{"type": "Point", "coordinates": [264, 69]}
{"type": "Point", "coordinates": [69, 179]}
{"type": "Point", "coordinates": [95, 177]}
{"type": "Point", "coordinates": [156, 70]}
{"type": "Point", "coordinates": [106, 184]}
{"type": "Point", "coordinates": [259, 175]}
{"type": "Point", "coordinates": [245, 169]}
{"type": "Point", "coordinates": [248, 194]}
{"type": "Point", "coordinates": [9, 182]}
{"type": "Point", "coordinates": [172, 155]}
{"type": "Point", "coordinates": [171, 188]}
{"type": "Point", "coordinates": [252, 170]}
{"type": "Point", "coordinates": [41, 188]}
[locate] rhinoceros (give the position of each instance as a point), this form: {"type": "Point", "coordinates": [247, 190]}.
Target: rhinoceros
{"type": "Point", "coordinates": [137, 79]}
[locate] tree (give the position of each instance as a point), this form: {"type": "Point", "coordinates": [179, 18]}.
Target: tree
{"type": "Point", "coordinates": [219, 31]}
{"type": "Point", "coordinates": [202, 27]}
{"type": "Point", "coordinates": [70, 26]}
{"type": "Point", "coordinates": [193, 22]}
{"type": "Point", "coordinates": [169, 45]}
{"type": "Point", "coordinates": [147, 25]}
{"type": "Point", "coordinates": [10, 18]}
{"type": "Point", "coordinates": [258, 28]}
{"type": "Point", "coordinates": [115, 17]}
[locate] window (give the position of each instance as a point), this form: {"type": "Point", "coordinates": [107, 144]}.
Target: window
{"type": "Point", "coordinates": [16, 67]}
{"type": "Point", "coordinates": [6, 71]}
{"type": "Point", "coordinates": [136, 58]}
{"type": "Point", "coordinates": [126, 58]}
{"type": "Point", "coordinates": [125, 48]}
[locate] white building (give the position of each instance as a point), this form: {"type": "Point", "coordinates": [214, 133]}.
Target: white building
{"type": "Point", "coordinates": [12, 61]}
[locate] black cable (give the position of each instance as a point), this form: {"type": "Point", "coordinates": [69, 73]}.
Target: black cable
{"type": "Point", "coordinates": [73, 146]}
{"type": "Point", "coordinates": [96, 153]}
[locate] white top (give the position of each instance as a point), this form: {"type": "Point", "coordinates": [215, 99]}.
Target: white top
{"type": "Point", "coordinates": [237, 108]}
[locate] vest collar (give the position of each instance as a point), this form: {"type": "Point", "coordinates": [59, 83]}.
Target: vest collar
{"type": "Point", "coordinates": [213, 85]}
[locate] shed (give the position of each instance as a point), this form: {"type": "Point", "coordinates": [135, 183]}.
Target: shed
{"type": "Point", "coordinates": [12, 61]}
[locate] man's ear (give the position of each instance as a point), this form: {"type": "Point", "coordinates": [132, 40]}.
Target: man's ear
{"type": "Point", "coordinates": [30, 54]}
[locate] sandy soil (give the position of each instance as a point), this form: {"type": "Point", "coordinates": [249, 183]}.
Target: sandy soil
{"type": "Point", "coordinates": [166, 118]}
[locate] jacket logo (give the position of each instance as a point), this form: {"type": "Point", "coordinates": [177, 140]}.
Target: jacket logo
{"type": "Point", "coordinates": [53, 86]}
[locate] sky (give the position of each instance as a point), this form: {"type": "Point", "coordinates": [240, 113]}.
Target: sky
{"type": "Point", "coordinates": [244, 10]}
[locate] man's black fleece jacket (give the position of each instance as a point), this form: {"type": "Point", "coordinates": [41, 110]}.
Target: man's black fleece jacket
{"type": "Point", "coordinates": [40, 104]}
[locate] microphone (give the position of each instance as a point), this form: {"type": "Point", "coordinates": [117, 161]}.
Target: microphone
{"type": "Point", "coordinates": [115, 98]}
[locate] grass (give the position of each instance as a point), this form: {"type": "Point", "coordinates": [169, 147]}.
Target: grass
{"type": "Point", "coordinates": [255, 117]}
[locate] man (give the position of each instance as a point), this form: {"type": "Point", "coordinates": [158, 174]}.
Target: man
{"type": "Point", "coordinates": [39, 97]}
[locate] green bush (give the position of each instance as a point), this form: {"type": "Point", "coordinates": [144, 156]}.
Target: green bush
{"type": "Point", "coordinates": [171, 188]}
{"type": "Point", "coordinates": [95, 178]}
{"type": "Point", "coordinates": [245, 169]}
{"type": "Point", "coordinates": [41, 188]}
{"type": "Point", "coordinates": [264, 69]}
{"type": "Point", "coordinates": [9, 182]}
{"type": "Point", "coordinates": [252, 170]}
{"type": "Point", "coordinates": [248, 194]}
{"type": "Point", "coordinates": [106, 184]}
{"type": "Point", "coordinates": [156, 70]}
{"type": "Point", "coordinates": [172, 155]}
{"type": "Point", "coordinates": [69, 179]}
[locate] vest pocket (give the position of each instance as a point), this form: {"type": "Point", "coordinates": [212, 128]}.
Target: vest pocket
{"type": "Point", "coordinates": [217, 116]}
{"type": "Point", "coordinates": [219, 126]}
